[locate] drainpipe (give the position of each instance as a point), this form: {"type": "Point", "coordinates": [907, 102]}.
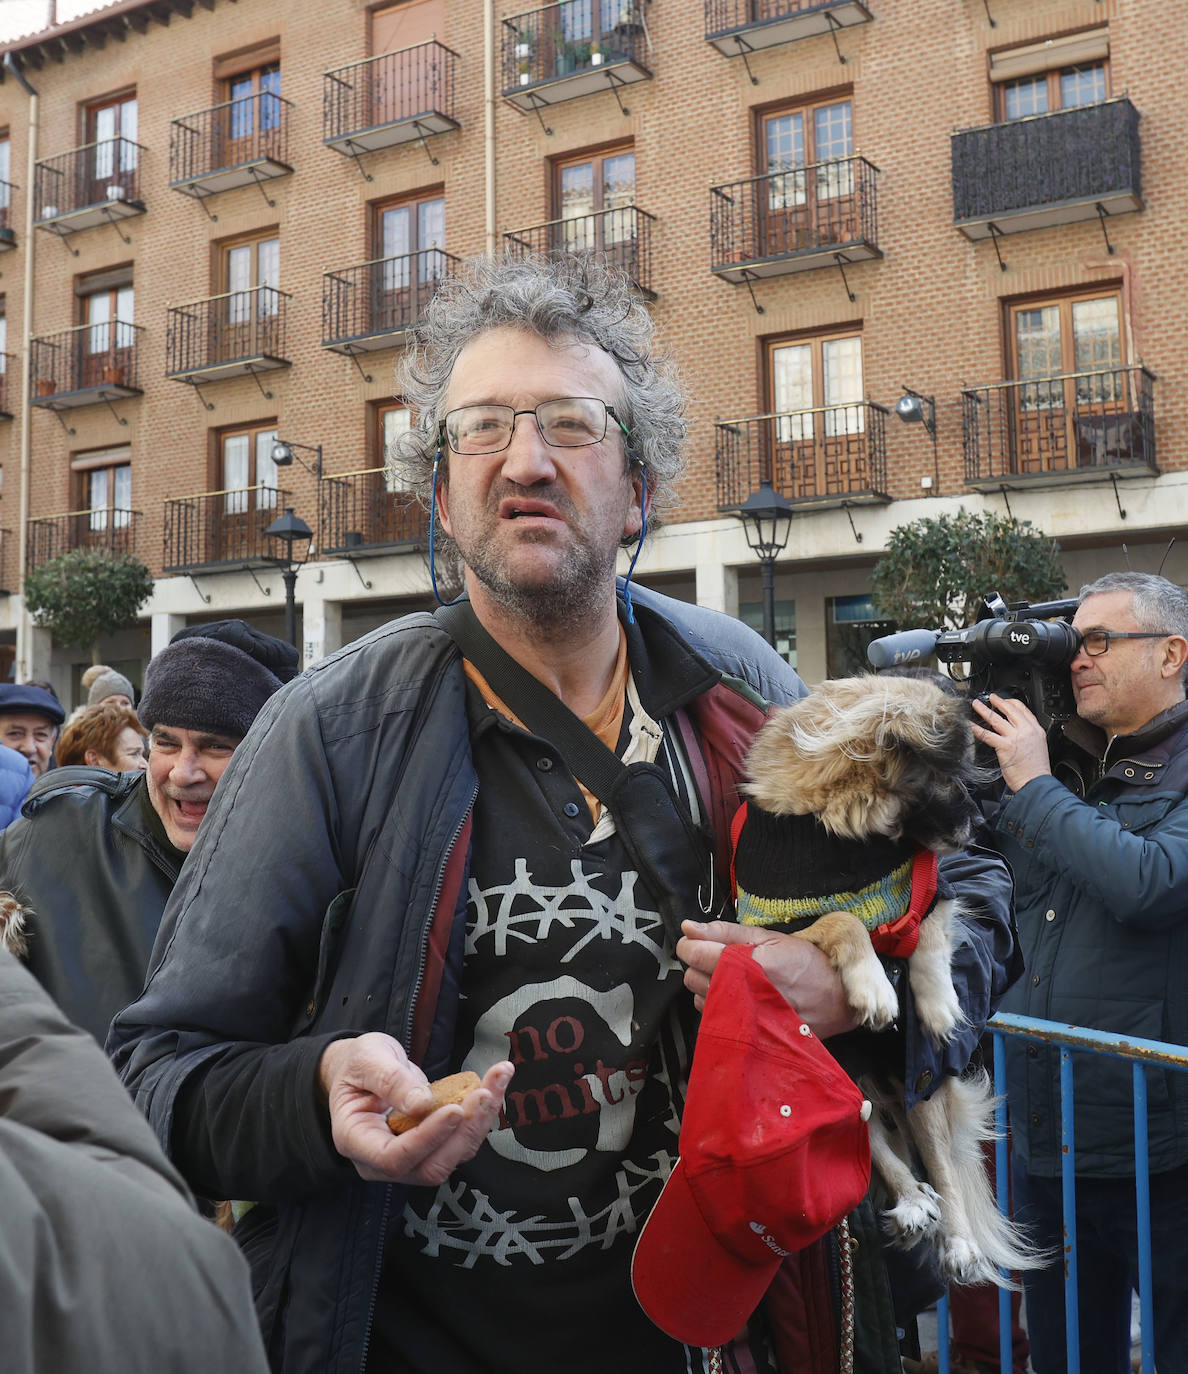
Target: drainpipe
{"type": "Point", "coordinates": [23, 626]}
{"type": "Point", "coordinates": [489, 120]}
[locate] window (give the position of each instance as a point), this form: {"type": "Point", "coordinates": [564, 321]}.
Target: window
{"type": "Point", "coordinates": [851, 624]}
{"type": "Point", "coordinates": [409, 243]}
{"type": "Point", "coordinates": [251, 118]}
{"type": "Point", "coordinates": [593, 196]}
{"type": "Point", "coordinates": [402, 25]}
{"type": "Point", "coordinates": [807, 156]}
{"type": "Point", "coordinates": [104, 490]}
{"type": "Point", "coordinates": [111, 136]}
{"type": "Point", "coordinates": [394, 420]}
{"type": "Point", "coordinates": [249, 476]}
{"type": "Point", "coordinates": [816, 384]}
{"type": "Point", "coordinates": [106, 309]}
{"type": "Point", "coordinates": [1058, 74]}
{"type": "Point", "coordinates": [5, 179]}
{"type": "Point", "coordinates": [251, 278]}
{"type": "Point", "coordinates": [1075, 402]}
{"type": "Point", "coordinates": [751, 613]}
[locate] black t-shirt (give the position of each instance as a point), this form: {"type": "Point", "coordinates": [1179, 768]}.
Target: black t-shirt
{"type": "Point", "coordinates": [520, 1262]}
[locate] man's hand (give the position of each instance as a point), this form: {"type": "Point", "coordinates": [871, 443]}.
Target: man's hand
{"type": "Point", "coordinates": [797, 969]}
{"type": "Point", "coordinates": [1016, 737]}
{"type": "Point", "coordinates": [363, 1078]}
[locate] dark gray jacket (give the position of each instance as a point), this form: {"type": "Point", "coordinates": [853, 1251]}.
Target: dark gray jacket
{"type": "Point", "coordinates": [91, 861]}
{"type": "Point", "coordinates": [104, 1264]}
{"type": "Point", "coordinates": [1102, 894]}
{"type": "Point", "coordinates": [326, 896]}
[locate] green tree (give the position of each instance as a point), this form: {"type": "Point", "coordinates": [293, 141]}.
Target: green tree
{"type": "Point", "coordinates": [84, 594]}
{"type": "Point", "coordinates": [936, 571]}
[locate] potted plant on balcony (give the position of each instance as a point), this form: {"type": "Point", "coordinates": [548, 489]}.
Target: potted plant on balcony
{"type": "Point", "coordinates": [45, 386]}
{"type": "Point", "coordinates": [523, 53]}
{"type": "Point", "coordinates": [113, 374]}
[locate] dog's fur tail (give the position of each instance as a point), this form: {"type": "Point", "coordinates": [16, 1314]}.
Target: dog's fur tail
{"type": "Point", "coordinates": [1001, 1244]}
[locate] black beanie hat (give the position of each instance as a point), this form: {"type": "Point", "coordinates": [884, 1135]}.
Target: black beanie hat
{"type": "Point", "coordinates": [205, 684]}
{"type": "Point", "coordinates": [277, 655]}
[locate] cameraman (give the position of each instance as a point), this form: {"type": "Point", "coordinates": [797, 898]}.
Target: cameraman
{"type": "Point", "coordinates": [1101, 886]}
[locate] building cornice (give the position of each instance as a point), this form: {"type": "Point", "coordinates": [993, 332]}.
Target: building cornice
{"type": "Point", "coordinates": [94, 30]}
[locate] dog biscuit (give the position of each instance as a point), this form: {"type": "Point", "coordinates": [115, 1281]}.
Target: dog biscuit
{"type": "Point", "coordinates": [444, 1090]}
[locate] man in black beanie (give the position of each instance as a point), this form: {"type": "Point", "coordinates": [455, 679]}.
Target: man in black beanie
{"type": "Point", "coordinates": [95, 854]}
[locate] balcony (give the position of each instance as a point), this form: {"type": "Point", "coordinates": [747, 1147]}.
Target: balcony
{"type": "Point", "coordinates": [571, 49]}
{"type": "Point", "coordinates": [7, 229]}
{"type": "Point", "coordinates": [621, 238]}
{"type": "Point", "coordinates": [826, 456]}
{"type": "Point", "coordinates": [373, 305]}
{"type": "Point", "coordinates": [1048, 169]}
{"type": "Point", "coordinates": [221, 529]}
{"type": "Point", "coordinates": [391, 99]}
{"type": "Point", "coordinates": [795, 221]}
{"type": "Point", "coordinates": [743, 26]}
{"type": "Point", "coordinates": [96, 184]}
{"type": "Point", "coordinates": [237, 143]}
{"type": "Point", "coordinates": [8, 384]}
{"type": "Point", "coordinates": [87, 365]}
{"type": "Point", "coordinates": [232, 335]}
{"type": "Point", "coordinates": [360, 512]}
{"type": "Point", "coordinates": [110, 529]}
{"type": "Point", "coordinates": [1065, 428]}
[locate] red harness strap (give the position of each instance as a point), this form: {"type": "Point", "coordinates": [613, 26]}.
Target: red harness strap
{"type": "Point", "coordinates": [736, 825]}
{"type": "Point", "coordinates": [898, 938]}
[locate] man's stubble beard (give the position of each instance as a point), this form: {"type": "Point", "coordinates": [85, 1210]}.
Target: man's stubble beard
{"type": "Point", "coordinates": [577, 589]}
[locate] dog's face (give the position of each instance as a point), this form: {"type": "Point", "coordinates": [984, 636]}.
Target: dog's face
{"type": "Point", "coordinates": [871, 756]}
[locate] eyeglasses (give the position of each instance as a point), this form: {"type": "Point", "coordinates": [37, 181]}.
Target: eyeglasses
{"type": "Point", "coordinates": [568, 422]}
{"type": "Point", "coordinates": [1097, 642]}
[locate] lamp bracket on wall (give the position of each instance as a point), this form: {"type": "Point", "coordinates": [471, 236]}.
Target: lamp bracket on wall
{"type": "Point", "coordinates": [1102, 216]}
{"type": "Point", "coordinates": [841, 260]}
{"type": "Point", "coordinates": [265, 591]}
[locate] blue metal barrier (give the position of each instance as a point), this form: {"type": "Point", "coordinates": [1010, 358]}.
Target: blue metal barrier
{"type": "Point", "coordinates": [1075, 1040]}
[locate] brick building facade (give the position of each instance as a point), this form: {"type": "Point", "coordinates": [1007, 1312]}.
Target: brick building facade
{"type": "Point", "coordinates": [827, 202]}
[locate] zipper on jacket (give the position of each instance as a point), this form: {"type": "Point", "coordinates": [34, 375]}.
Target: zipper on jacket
{"type": "Point", "coordinates": [408, 1025]}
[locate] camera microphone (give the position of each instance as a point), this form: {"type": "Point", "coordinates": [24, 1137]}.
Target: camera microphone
{"type": "Point", "coordinates": [909, 646]}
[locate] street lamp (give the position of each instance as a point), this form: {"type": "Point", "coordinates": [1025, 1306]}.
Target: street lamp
{"type": "Point", "coordinates": [766, 516]}
{"type": "Point", "coordinates": [285, 450]}
{"type": "Point", "coordinates": [287, 529]}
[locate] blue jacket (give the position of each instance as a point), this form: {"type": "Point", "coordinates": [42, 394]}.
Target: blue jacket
{"type": "Point", "coordinates": [326, 896]}
{"type": "Point", "coordinates": [16, 777]}
{"type": "Point", "coordinates": [1102, 893]}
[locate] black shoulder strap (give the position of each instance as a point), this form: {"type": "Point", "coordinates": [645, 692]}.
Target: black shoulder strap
{"type": "Point", "coordinates": [542, 711]}
{"type": "Point", "coordinates": [667, 849]}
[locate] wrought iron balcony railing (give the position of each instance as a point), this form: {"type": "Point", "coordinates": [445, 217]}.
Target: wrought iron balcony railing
{"type": "Point", "coordinates": [393, 98]}
{"type": "Point", "coordinates": [7, 229]}
{"type": "Point", "coordinates": [1076, 424]}
{"type": "Point", "coordinates": [86, 365]}
{"type": "Point", "coordinates": [373, 305]}
{"type": "Point", "coordinates": [358, 511]}
{"type": "Point", "coordinates": [8, 386]}
{"type": "Point", "coordinates": [740, 26]}
{"type": "Point", "coordinates": [794, 221]}
{"type": "Point", "coordinates": [829, 455]}
{"type": "Point", "coordinates": [109, 528]}
{"type": "Point", "coordinates": [90, 185]}
{"type": "Point", "coordinates": [621, 238]}
{"type": "Point", "coordinates": [1047, 169]}
{"type": "Point", "coordinates": [227, 336]}
{"type": "Point", "coordinates": [228, 145]}
{"type": "Point", "coordinates": [571, 49]}
{"type": "Point", "coordinates": [224, 528]}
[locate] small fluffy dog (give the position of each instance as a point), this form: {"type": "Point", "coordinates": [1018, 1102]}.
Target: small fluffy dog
{"type": "Point", "coordinates": [852, 793]}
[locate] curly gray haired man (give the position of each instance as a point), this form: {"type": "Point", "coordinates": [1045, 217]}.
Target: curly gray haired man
{"type": "Point", "coordinates": [555, 298]}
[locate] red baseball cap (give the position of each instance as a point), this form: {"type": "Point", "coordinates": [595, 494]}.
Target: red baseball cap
{"type": "Point", "coordinates": [775, 1150]}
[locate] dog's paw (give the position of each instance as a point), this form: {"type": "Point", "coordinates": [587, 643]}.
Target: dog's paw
{"type": "Point", "coordinates": [914, 1215]}
{"type": "Point", "coordinates": [870, 994]}
{"type": "Point", "coordinates": [960, 1260]}
{"type": "Point", "coordinates": [939, 1011]}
